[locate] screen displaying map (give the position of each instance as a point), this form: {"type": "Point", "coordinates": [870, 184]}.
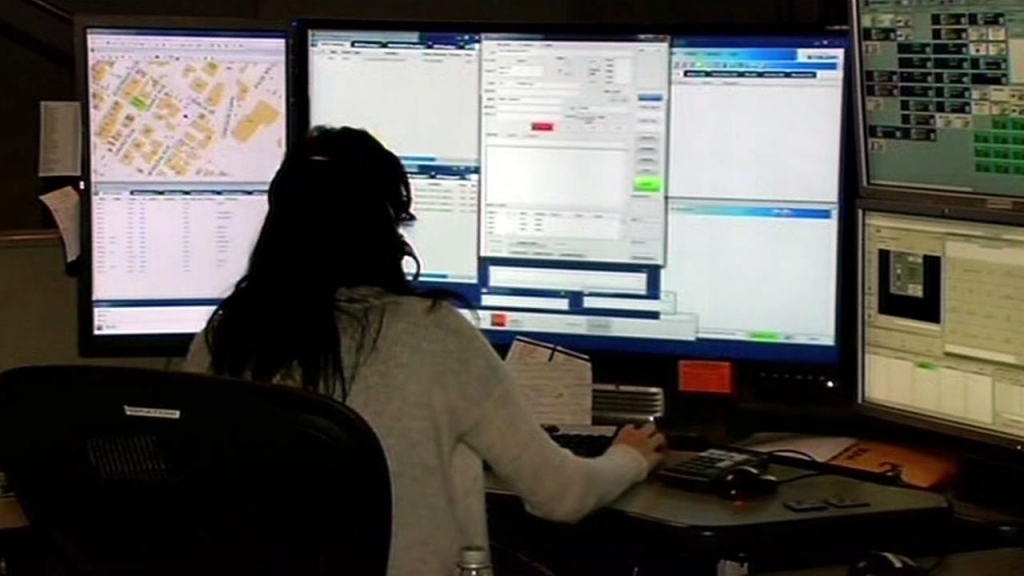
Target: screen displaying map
{"type": "Point", "coordinates": [168, 106]}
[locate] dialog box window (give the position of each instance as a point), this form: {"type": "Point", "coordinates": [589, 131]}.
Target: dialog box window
{"type": "Point", "coordinates": [756, 119]}
{"type": "Point", "coordinates": [574, 148]}
{"type": "Point", "coordinates": [444, 231]}
{"type": "Point", "coordinates": [416, 92]}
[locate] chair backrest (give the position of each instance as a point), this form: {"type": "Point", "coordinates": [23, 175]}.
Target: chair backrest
{"type": "Point", "coordinates": [130, 471]}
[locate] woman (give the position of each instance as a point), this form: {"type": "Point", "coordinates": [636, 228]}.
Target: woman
{"type": "Point", "coordinates": [326, 305]}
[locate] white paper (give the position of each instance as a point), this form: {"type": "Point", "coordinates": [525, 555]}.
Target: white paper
{"type": "Point", "coordinates": [560, 393]}
{"type": "Point", "coordinates": [557, 384]}
{"type": "Point", "coordinates": [60, 139]}
{"type": "Point", "coordinates": [822, 448]}
{"type": "Point", "coordinates": [66, 206]}
{"type": "Point", "coordinates": [527, 350]}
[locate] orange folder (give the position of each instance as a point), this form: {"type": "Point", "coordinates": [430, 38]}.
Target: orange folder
{"type": "Point", "coordinates": [920, 468]}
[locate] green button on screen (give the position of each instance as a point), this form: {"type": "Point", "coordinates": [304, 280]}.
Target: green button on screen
{"type": "Point", "coordinates": [647, 184]}
{"type": "Point", "coordinates": [766, 336]}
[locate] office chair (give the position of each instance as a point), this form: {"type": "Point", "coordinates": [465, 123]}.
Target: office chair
{"type": "Point", "coordinates": [130, 472]}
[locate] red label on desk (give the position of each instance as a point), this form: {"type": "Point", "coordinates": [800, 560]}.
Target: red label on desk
{"type": "Point", "coordinates": [705, 377]}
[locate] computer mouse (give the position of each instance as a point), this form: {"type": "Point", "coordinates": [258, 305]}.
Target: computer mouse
{"type": "Point", "coordinates": [745, 483]}
{"type": "Point", "coordinates": [885, 564]}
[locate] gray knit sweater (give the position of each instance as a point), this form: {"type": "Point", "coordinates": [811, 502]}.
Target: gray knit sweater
{"type": "Point", "coordinates": [443, 402]}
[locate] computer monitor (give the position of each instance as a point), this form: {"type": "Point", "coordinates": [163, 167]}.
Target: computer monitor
{"type": "Point", "coordinates": [608, 191]}
{"type": "Point", "coordinates": [941, 96]}
{"type": "Point", "coordinates": [186, 125]}
{"type": "Point", "coordinates": [942, 323]}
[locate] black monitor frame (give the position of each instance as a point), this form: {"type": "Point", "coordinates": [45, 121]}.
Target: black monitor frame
{"type": "Point", "coordinates": [960, 202]}
{"type": "Point", "coordinates": [89, 343]}
{"type": "Point", "coordinates": [92, 345]}
{"type": "Point", "coordinates": [846, 281]}
{"type": "Point", "coordinates": [951, 430]}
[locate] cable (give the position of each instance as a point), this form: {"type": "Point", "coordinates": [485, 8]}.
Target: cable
{"type": "Point", "coordinates": [800, 453]}
{"type": "Point", "coordinates": [934, 567]}
{"type": "Point", "coordinates": [801, 477]}
{"type": "Point", "coordinates": [52, 9]}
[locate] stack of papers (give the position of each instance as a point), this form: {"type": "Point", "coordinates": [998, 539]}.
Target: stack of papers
{"type": "Point", "coordinates": [557, 384]}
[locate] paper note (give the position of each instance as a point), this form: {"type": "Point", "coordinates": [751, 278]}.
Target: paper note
{"type": "Point", "coordinates": [559, 393]}
{"type": "Point", "coordinates": [60, 139]}
{"type": "Point", "coordinates": [65, 205]}
{"type": "Point", "coordinates": [557, 384]}
{"type": "Point", "coordinates": [527, 350]}
{"type": "Point", "coordinates": [822, 448]}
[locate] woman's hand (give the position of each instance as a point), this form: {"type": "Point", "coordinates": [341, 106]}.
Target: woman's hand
{"type": "Point", "coordinates": [644, 439]}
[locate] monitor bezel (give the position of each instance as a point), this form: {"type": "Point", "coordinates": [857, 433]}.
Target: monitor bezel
{"type": "Point", "coordinates": [953, 199]}
{"type": "Point", "coordinates": [740, 351]}
{"type": "Point", "coordinates": [895, 415]}
{"type": "Point", "coordinates": [91, 345]}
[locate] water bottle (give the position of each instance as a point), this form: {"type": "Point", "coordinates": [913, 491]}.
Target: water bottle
{"type": "Point", "coordinates": [475, 561]}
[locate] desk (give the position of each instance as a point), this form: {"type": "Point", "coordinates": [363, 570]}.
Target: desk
{"type": "Point", "coordinates": [11, 515]}
{"type": "Point", "coordinates": [14, 544]}
{"type": "Point", "coordinates": [989, 563]}
{"type": "Point", "coordinates": [763, 530]}
{"type": "Point", "coordinates": [656, 502]}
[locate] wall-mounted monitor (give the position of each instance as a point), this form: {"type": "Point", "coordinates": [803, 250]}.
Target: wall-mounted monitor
{"type": "Point", "coordinates": [185, 124]}
{"type": "Point", "coordinates": [941, 100]}
{"type": "Point", "coordinates": [608, 190]}
{"type": "Point", "coordinates": [942, 322]}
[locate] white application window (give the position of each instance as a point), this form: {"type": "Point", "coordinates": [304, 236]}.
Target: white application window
{"type": "Point", "coordinates": [444, 234]}
{"type": "Point", "coordinates": [573, 149]}
{"type": "Point", "coordinates": [186, 130]}
{"type": "Point", "coordinates": [113, 320]}
{"type": "Point", "coordinates": [754, 271]}
{"type": "Point", "coordinates": [944, 320]}
{"type": "Point", "coordinates": [756, 123]}
{"type": "Point", "coordinates": [185, 243]}
{"type": "Point", "coordinates": [416, 92]}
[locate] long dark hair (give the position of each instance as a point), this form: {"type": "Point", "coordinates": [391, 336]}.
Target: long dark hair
{"type": "Point", "coordinates": [336, 205]}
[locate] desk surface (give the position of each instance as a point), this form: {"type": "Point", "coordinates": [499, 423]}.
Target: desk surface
{"type": "Point", "coordinates": [989, 563]}
{"type": "Point", "coordinates": [11, 515]}
{"type": "Point", "coordinates": [656, 502]}
{"type": "Point", "coordinates": [653, 501]}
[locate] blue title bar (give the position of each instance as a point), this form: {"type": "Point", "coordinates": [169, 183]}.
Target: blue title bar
{"type": "Point", "coordinates": [196, 33]}
{"type": "Point", "coordinates": [761, 212]}
{"type": "Point", "coordinates": [218, 193]}
{"type": "Point", "coordinates": [793, 42]}
{"type": "Point", "coordinates": [440, 171]}
{"type": "Point", "coordinates": [399, 40]}
{"type": "Point", "coordinates": [569, 37]}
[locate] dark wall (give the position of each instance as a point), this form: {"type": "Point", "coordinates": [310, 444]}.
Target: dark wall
{"type": "Point", "coordinates": [36, 51]}
{"type": "Point", "coordinates": [37, 64]}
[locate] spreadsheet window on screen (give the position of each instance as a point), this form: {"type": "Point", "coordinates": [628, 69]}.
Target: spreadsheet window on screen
{"type": "Point", "coordinates": [630, 192]}
{"type": "Point", "coordinates": [943, 321]}
{"type": "Point", "coordinates": [943, 94]}
{"type": "Point", "coordinates": [186, 130]}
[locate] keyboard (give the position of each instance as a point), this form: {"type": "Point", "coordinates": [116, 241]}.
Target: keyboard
{"type": "Point", "coordinates": [583, 441]}
{"type": "Point", "coordinates": [699, 471]}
